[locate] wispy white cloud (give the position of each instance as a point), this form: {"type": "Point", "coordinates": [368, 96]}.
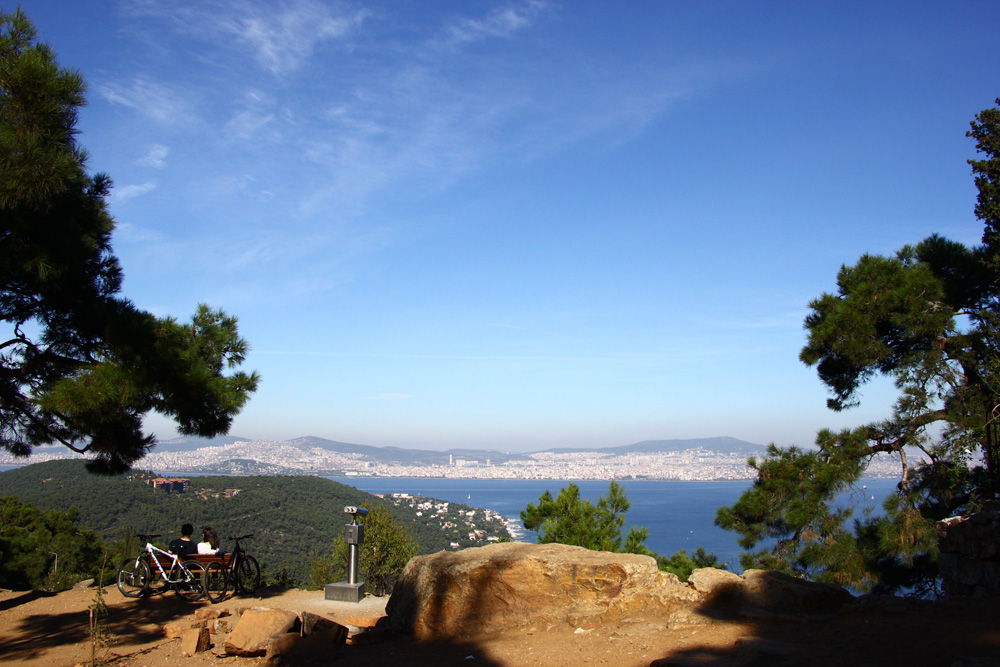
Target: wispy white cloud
{"type": "Point", "coordinates": [282, 41]}
{"type": "Point", "coordinates": [156, 157]}
{"type": "Point", "coordinates": [279, 36]}
{"type": "Point", "coordinates": [429, 126]}
{"type": "Point", "coordinates": [155, 99]}
{"type": "Point", "coordinates": [501, 22]}
{"type": "Point", "coordinates": [420, 114]}
{"type": "Point", "coordinates": [131, 233]}
{"type": "Point", "coordinates": [126, 192]}
{"type": "Point", "coordinates": [255, 116]}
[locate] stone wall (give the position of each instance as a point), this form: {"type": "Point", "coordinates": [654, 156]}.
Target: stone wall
{"type": "Point", "coordinates": [970, 552]}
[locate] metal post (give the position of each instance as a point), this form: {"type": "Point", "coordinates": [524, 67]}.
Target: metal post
{"type": "Point", "coordinates": [352, 565]}
{"type": "Point", "coordinates": [351, 590]}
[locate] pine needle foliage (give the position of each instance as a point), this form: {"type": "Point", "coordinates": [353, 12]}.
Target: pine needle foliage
{"type": "Point", "coordinates": [80, 365]}
{"type": "Point", "coordinates": [927, 318]}
{"type": "Point", "coordinates": [569, 519]}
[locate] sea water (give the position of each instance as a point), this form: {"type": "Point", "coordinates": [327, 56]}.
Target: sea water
{"type": "Point", "coordinates": [678, 515]}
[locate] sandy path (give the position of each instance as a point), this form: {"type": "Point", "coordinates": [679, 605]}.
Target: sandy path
{"type": "Point", "coordinates": [38, 629]}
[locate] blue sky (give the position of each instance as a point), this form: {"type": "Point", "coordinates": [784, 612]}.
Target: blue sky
{"type": "Point", "coordinates": [518, 225]}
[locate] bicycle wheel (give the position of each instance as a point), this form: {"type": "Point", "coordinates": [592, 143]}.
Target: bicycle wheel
{"type": "Point", "coordinates": [190, 585]}
{"type": "Point", "coordinates": [133, 577]}
{"type": "Point", "coordinates": [215, 582]}
{"type": "Point", "coordinates": [248, 575]}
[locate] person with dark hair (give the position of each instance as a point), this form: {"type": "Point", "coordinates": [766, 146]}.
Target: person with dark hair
{"type": "Point", "coordinates": [183, 546]}
{"type": "Point", "coordinates": [209, 541]}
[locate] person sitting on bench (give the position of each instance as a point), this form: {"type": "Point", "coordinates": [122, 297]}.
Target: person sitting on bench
{"type": "Point", "coordinates": [209, 542]}
{"type": "Point", "coordinates": [183, 546]}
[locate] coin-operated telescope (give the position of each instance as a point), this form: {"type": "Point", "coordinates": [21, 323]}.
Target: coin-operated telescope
{"type": "Point", "coordinates": [351, 590]}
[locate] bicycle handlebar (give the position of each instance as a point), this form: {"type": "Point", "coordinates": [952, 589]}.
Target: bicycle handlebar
{"type": "Point", "coordinates": [242, 537]}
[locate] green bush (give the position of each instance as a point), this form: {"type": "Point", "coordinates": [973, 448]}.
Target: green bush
{"type": "Point", "coordinates": [386, 550]}
{"type": "Point", "coordinates": [44, 549]}
{"type": "Point", "coordinates": [683, 565]}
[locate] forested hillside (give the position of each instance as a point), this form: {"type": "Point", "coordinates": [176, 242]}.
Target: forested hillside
{"type": "Point", "coordinates": [291, 517]}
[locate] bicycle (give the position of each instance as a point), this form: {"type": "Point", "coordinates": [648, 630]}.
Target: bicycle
{"type": "Point", "coordinates": [187, 577]}
{"type": "Point", "coordinates": [239, 569]}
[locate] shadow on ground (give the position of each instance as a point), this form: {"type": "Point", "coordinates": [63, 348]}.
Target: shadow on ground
{"type": "Point", "coordinates": [24, 598]}
{"type": "Point", "coordinates": [132, 621]}
{"type": "Point", "coordinates": [873, 630]}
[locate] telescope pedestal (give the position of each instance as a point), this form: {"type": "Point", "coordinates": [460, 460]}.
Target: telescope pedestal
{"type": "Point", "coordinates": [343, 591]}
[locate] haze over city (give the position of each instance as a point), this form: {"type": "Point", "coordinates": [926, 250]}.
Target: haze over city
{"type": "Point", "coordinates": [520, 225]}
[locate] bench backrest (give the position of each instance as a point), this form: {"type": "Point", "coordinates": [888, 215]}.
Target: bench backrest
{"type": "Point", "coordinates": [205, 559]}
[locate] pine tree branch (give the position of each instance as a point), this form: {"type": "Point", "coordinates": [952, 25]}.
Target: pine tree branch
{"type": "Point", "coordinates": [896, 444]}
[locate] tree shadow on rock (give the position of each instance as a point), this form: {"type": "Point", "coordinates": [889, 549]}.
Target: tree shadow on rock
{"type": "Point", "coordinates": [448, 624]}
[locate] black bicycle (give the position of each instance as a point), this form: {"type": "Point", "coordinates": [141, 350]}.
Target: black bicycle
{"type": "Point", "coordinates": [136, 575]}
{"type": "Point", "coordinates": [239, 570]}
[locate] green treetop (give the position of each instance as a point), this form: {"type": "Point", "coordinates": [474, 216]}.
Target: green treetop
{"type": "Point", "coordinates": [568, 519]}
{"type": "Point", "coordinates": [926, 318]}
{"type": "Point", "coordinates": [80, 365]}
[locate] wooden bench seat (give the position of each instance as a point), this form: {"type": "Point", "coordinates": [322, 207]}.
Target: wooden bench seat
{"type": "Point", "coordinates": [204, 559]}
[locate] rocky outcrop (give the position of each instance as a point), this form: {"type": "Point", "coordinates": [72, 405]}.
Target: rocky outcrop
{"type": "Point", "coordinates": [195, 640]}
{"type": "Point", "coordinates": [256, 628]}
{"type": "Point", "coordinates": [969, 552]}
{"type": "Point", "coordinates": [505, 586]}
{"type": "Point", "coordinates": [771, 591]}
{"type": "Point", "coordinates": [780, 592]}
{"type": "Point", "coordinates": [281, 637]}
{"type": "Point", "coordinates": [712, 582]}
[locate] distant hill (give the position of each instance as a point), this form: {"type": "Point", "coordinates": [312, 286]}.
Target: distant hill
{"type": "Point", "coordinates": [404, 456]}
{"type": "Point", "coordinates": [400, 455]}
{"type": "Point", "coordinates": [719, 445]}
{"type": "Point", "coordinates": [291, 516]}
{"type": "Point", "coordinates": [189, 444]}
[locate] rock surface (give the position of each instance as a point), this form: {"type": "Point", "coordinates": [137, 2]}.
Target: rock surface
{"type": "Point", "coordinates": [195, 640]}
{"type": "Point", "coordinates": [772, 591]}
{"type": "Point", "coordinates": [711, 582]}
{"type": "Point", "coordinates": [776, 591]}
{"type": "Point", "coordinates": [504, 586]}
{"type": "Point", "coordinates": [256, 628]}
{"type": "Point", "coordinates": [970, 552]}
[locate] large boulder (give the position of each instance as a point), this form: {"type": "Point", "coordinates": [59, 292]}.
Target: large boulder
{"type": "Point", "coordinates": [504, 586]}
{"type": "Point", "coordinates": [256, 628]}
{"type": "Point", "coordinates": [713, 582]}
{"type": "Point", "coordinates": [772, 591]}
{"type": "Point", "coordinates": [969, 555]}
{"type": "Point", "coordinates": [777, 591]}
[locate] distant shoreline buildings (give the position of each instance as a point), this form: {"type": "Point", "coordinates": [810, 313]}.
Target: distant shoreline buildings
{"type": "Point", "coordinates": [272, 457]}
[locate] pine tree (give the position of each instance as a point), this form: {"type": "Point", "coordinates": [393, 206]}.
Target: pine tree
{"type": "Point", "coordinates": [80, 364]}
{"type": "Point", "coordinates": [927, 318]}
{"type": "Point", "coordinates": [568, 519]}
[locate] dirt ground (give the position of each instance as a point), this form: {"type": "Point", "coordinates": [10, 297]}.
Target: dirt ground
{"type": "Point", "coordinates": [51, 630]}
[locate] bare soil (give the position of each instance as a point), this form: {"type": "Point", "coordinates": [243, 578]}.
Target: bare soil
{"type": "Point", "coordinates": [51, 630]}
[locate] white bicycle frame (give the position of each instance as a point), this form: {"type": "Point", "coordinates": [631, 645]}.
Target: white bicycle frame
{"type": "Point", "coordinates": [175, 563]}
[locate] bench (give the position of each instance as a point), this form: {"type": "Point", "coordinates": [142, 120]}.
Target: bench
{"type": "Point", "coordinates": [204, 559]}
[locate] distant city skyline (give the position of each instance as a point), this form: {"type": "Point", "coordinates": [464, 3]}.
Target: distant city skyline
{"type": "Point", "coordinates": [696, 460]}
{"type": "Point", "coordinates": [522, 225]}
